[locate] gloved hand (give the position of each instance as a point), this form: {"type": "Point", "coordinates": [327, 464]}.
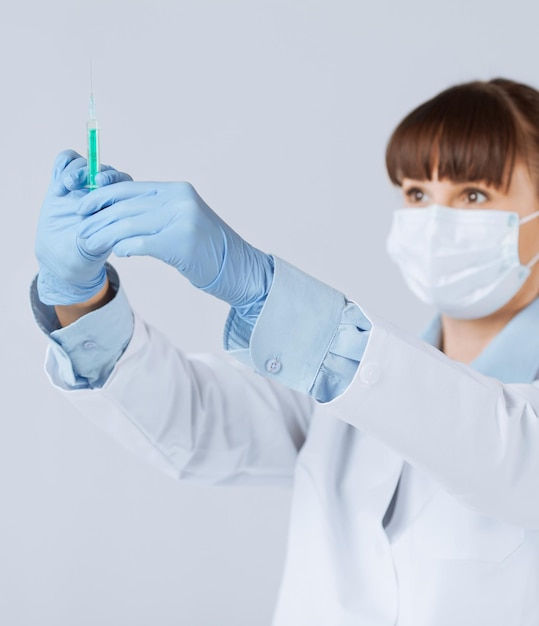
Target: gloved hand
{"type": "Point", "coordinates": [67, 276]}
{"type": "Point", "coordinates": [171, 222]}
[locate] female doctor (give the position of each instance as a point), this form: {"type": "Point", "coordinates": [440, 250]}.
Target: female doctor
{"type": "Point", "coordinates": [414, 463]}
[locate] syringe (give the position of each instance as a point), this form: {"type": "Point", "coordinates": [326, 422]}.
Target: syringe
{"type": "Point", "coordinates": [93, 144]}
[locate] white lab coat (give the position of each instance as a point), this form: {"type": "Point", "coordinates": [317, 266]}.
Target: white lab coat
{"type": "Point", "coordinates": [462, 547]}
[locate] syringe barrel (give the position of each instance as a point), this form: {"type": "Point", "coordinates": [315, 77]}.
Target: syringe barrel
{"type": "Point", "coordinates": [93, 153]}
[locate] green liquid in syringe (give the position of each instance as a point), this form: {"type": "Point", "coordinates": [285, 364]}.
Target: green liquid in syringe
{"type": "Point", "coordinates": [93, 157]}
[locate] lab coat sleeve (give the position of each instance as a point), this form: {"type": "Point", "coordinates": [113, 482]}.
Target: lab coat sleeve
{"type": "Point", "coordinates": [477, 437]}
{"type": "Point", "coordinates": [198, 417]}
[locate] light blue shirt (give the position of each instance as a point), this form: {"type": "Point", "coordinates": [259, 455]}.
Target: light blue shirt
{"type": "Point", "coordinates": [322, 334]}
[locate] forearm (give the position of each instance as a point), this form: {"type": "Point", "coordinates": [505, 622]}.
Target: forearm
{"type": "Point", "coordinates": [67, 314]}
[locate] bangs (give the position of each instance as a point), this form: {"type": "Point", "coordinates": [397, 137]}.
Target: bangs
{"type": "Point", "coordinates": [467, 133]}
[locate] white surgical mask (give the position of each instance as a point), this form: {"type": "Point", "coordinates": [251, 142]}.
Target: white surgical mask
{"type": "Point", "coordinates": [464, 262]}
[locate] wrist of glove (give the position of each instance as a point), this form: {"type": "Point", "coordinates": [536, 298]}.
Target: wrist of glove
{"type": "Point", "coordinates": [55, 290]}
{"type": "Point", "coordinates": [239, 294]}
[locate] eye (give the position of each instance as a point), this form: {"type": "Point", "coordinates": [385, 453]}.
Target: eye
{"type": "Point", "coordinates": [414, 195]}
{"type": "Point", "coordinates": [475, 196]}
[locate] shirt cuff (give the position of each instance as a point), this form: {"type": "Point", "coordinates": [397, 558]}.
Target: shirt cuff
{"type": "Point", "coordinates": [83, 354]}
{"type": "Point", "coordinates": [308, 336]}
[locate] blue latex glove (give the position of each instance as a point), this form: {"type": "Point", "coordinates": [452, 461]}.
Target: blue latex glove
{"type": "Point", "coordinates": [66, 276]}
{"type": "Point", "coordinates": [171, 222]}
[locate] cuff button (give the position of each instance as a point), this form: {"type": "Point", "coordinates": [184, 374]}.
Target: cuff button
{"type": "Point", "coordinates": [273, 366]}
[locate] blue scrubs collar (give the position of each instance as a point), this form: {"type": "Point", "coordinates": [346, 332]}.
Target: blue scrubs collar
{"type": "Point", "coordinates": [513, 355]}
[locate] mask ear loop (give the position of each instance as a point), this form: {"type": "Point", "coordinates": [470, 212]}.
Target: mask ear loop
{"type": "Point", "coordinates": [531, 263]}
{"type": "Point", "coordinates": [529, 218]}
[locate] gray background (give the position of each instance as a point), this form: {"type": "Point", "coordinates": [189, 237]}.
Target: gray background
{"type": "Point", "coordinates": [278, 112]}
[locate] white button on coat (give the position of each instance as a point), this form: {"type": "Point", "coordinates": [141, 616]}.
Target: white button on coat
{"type": "Point", "coordinates": [369, 373]}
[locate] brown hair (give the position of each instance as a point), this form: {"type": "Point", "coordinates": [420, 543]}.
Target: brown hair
{"type": "Point", "coordinates": [470, 132]}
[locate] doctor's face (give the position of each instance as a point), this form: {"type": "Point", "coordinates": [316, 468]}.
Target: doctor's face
{"type": "Point", "coordinates": [521, 197]}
